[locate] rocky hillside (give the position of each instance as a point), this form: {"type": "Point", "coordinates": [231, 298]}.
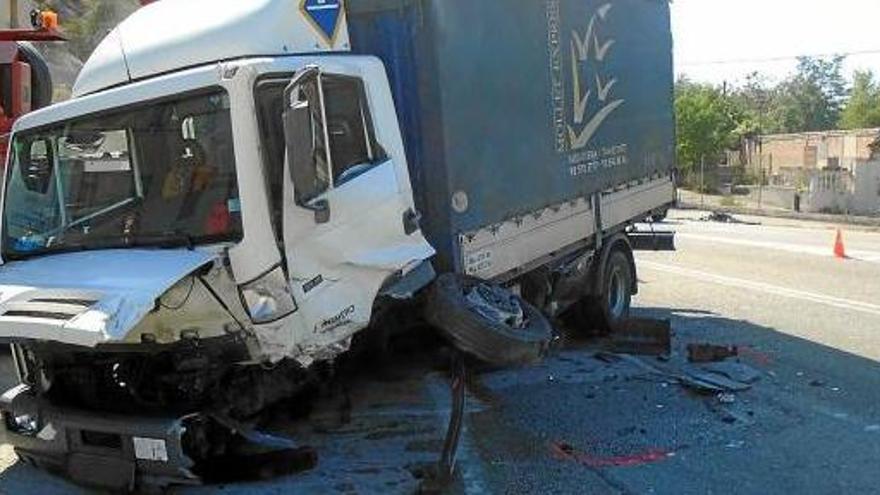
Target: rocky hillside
{"type": "Point", "coordinates": [85, 23]}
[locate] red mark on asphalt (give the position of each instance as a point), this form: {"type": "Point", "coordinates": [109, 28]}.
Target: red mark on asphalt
{"type": "Point", "coordinates": [565, 452]}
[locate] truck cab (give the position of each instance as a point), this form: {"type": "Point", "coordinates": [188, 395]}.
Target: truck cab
{"type": "Point", "coordinates": [190, 155]}
{"type": "Point", "coordinates": [236, 189]}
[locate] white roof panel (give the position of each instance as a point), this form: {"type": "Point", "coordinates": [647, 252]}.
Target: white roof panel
{"type": "Point", "coordinates": [172, 34]}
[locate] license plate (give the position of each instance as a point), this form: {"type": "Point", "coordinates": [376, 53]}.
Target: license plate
{"type": "Point", "coordinates": [150, 449]}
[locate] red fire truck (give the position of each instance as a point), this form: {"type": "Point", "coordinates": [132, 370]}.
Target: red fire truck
{"type": "Point", "coordinates": [25, 81]}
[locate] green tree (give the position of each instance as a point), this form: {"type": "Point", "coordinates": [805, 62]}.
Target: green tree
{"type": "Point", "coordinates": [706, 123]}
{"type": "Point", "coordinates": [811, 99]}
{"type": "Point", "coordinates": [756, 99]}
{"type": "Point", "coordinates": [862, 110]}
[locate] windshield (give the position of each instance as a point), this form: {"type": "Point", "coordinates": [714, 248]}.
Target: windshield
{"type": "Point", "coordinates": [163, 174]}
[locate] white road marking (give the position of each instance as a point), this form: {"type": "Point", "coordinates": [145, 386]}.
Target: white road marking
{"type": "Point", "coordinates": [848, 304]}
{"type": "Point", "coordinates": [861, 255]}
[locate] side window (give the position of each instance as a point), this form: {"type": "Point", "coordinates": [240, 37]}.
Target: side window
{"type": "Point", "coordinates": [353, 148]}
{"type": "Point", "coordinates": [350, 131]}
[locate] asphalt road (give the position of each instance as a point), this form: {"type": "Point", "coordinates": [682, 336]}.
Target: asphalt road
{"type": "Point", "coordinates": [805, 322]}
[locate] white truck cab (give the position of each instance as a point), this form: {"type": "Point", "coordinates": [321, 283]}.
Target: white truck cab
{"type": "Point", "coordinates": [189, 152]}
{"type": "Point", "coordinates": [236, 191]}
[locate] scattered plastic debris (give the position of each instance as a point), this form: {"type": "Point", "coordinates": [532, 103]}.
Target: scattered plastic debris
{"type": "Point", "coordinates": [644, 337]}
{"type": "Point", "coordinates": [735, 371]}
{"type": "Point", "coordinates": [689, 376]}
{"type": "Point", "coordinates": [708, 353]}
{"type": "Point", "coordinates": [722, 217]}
{"type": "Point", "coordinates": [707, 382]}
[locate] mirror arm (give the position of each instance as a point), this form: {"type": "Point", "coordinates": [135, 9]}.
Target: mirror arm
{"type": "Point", "coordinates": [306, 71]}
{"type": "Point", "coordinates": [321, 209]}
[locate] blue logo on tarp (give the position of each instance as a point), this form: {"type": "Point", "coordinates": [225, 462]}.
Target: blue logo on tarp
{"type": "Point", "coordinates": [325, 15]}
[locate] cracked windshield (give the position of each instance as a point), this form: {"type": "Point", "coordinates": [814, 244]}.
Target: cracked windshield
{"type": "Point", "coordinates": [164, 174]}
{"type": "Point", "coordinates": [587, 247]}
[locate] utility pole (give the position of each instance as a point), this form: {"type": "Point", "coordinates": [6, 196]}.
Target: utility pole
{"type": "Point", "coordinates": [761, 192]}
{"type": "Point", "coordinates": [702, 180]}
{"type": "Point", "coordinates": [13, 14]}
{"type": "Point", "coordinates": [760, 177]}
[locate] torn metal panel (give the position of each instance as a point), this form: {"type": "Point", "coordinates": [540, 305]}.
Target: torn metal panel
{"type": "Point", "coordinates": [89, 298]}
{"type": "Point", "coordinates": [337, 269]}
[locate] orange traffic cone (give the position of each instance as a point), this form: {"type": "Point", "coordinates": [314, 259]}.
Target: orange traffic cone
{"type": "Point", "coordinates": [839, 249]}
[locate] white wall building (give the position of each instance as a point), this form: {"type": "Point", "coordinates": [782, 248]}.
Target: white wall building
{"type": "Point", "coordinates": [842, 191]}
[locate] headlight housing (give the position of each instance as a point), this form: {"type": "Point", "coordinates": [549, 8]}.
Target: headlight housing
{"type": "Point", "coordinates": [268, 298]}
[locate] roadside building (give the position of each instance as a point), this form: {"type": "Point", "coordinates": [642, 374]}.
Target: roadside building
{"type": "Point", "coordinates": [787, 159]}
{"type": "Point", "coordinates": [832, 172]}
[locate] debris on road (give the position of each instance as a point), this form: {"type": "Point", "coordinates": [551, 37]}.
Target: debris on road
{"type": "Point", "coordinates": [688, 376]}
{"type": "Point", "coordinates": [707, 382]}
{"type": "Point", "coordinates": [735, 371]}
{"type": "Point", "coordinates": [644, 337]}
{"type": "Point", "coordinates": [723, 217]}
{"type": "Point", "coordinates": [755, 356]}
{"type": "Point", "coordinates": [708, 353]}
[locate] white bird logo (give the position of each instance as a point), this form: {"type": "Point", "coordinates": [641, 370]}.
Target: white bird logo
{"type": "Point", "coordinates": [580, 55]}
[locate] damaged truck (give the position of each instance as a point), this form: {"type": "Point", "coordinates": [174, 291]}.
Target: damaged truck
{"type": "Point", "coordinates": [238, 190]}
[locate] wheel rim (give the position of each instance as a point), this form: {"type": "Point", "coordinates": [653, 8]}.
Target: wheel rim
{"type": "Point", "coordinates": [617, 292]}
{"type": "Point", "coordinates": [497, 305]}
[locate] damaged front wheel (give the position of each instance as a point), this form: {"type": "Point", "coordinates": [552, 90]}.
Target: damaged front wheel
{"type": "Point", "coordinates": [487, 321]}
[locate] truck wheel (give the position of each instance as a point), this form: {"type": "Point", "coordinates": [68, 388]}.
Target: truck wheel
{"type": "Point", "coordinates": [41, 77]}
{"type": "Point", "coordinates": [487, 321]}
{"type": "Point", "coordinates": [615, 298]}
{"type": "Point", "coordinates": [606, 311]}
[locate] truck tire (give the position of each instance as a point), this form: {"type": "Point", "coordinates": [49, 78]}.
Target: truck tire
{"type": "Point", "coordinates": [451, 309]}
{"type": "Point", "coordinates": [41, 77]}
{"type": "Point", "coordinates": [608, 309]}
{"type": "Point", "coordinates": [615, 298]}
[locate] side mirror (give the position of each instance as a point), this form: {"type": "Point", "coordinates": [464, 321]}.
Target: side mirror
{"type": "Point", "coordinates": [36, 161]}
{"type": "Point", "coordinates": [301, 151]}
{"type": "Point", "coordinates": [302, 160]}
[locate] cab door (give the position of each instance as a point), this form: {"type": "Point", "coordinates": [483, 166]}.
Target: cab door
{"type": "Point", "coordinates": [348, 225]}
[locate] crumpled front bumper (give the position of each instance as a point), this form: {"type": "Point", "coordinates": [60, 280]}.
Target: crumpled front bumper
{"type": "Point", "coordinates": [96, 449]}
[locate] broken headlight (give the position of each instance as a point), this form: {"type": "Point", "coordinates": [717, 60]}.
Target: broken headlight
{"type": "Point", "coordinates": [268, 298]}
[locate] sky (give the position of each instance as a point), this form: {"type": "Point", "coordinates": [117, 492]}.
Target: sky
{"type": "Point", "coordinates": [744, 33]}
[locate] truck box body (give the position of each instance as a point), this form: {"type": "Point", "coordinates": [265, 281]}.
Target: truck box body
{"type": "Point", "coordinates": [511, 106]}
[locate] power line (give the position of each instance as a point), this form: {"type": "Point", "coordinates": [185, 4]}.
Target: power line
{"type": "Point", "coordinates": [779, 59]}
